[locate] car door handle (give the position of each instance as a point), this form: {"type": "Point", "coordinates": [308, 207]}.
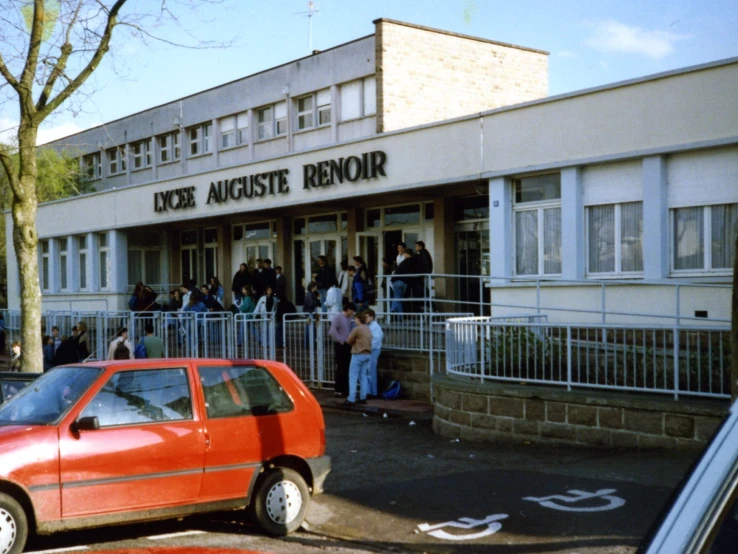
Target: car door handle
{"type": "Point", "coordinates": [207, 440]}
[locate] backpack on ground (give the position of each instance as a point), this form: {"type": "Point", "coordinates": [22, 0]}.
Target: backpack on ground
{"type": "Point", "coordinates": [121, 351]}
{"type": "Point", "coordinates": [140, 350]}
{"type": "Point", "coordinates": [392, 392]}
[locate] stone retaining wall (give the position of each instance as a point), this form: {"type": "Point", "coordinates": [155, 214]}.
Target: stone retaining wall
{"type": "Point", "coordinates": [470, 410]}
{"type": "Point", "coordinates": [412, 370]}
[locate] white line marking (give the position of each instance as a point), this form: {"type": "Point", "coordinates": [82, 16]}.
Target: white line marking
{"type": "Point", "coordinates": [173, 535]}
{"type": "Point", "coordinates": [67, 549]}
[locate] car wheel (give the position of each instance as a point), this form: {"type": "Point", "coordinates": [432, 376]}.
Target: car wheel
{"type": "Point", "coordinates": [281, 502]}
{"type": "Point", "coordinates": [13, 526]}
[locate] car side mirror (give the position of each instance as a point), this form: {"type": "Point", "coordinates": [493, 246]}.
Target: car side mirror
{"type": "Point", "coordinates": [90, 423]}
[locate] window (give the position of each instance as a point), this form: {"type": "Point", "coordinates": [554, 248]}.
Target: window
{"type": "Point", "coordinates": [615, 238]}
{"type": "Point", "coordinates": [144, 264]}
{"type": "Point", "coordinates": [280, 116]}
{"type": "Point", "coordinates": [189, 240]}
{"type": "Point", "coordinates": [537, 222]}
{"type": "Point", "coordinates": [305, 119]}
{"type": "Point", "coordinates": [242, 391]}
{"type": "Point", "coordinates": [116, 161]}
{"type": "Point", "coordinates": [210, 237]}
{"type": "Point", "coordinates": [63, 281]}
{"type": "Point", "coordinates": [169, 147]}
{"type": "Point", "coordinates": [266, 123]}
{"type": "Point", "coordinates": [200, 139]}
{"type": "Point", "coordinates": [45, 265]}
{"type": "Point", "coordinates": [704, 237]}
{"type": "Point", "coordinates": [92, 165]}
{"type": "Point", "coordinates": [104, 251]}
{"type": "Point", "coordinates": [82, 250]}
{"type": "Point", "coordinates": [141, 152]}
{"type": "Point", "coordinates": [402, 215]}
{"type": "Point", "coordinates": [147, 396]}
{"type": "Point", "coordinates": [234, 130]}
{"type": "Point", "coordinates": [324, 106]}
{"type": "Point", "coordinates": [358, 98]}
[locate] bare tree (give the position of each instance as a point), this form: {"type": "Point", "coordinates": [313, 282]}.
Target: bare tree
{"type": "Point", "coordinates": [48, 50]}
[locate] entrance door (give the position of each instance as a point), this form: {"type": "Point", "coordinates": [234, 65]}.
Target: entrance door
{"type": "Point", "coordinates": [256, 250]}
{"type": "Point", "coordinates": [393, 238]}
{"type": "Point", "coordinates": [471, 242]}
{"type": "Point", "coordinates": [328, 247]}
{"type": "Point", "coordinates": [305, 260]}
{"type": "Point", "coordinates": [369, 247]}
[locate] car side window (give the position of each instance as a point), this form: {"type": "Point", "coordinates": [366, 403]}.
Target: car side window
{"type": "Point", "coordinates": [242, 390]}
{"type": "Point", "coordinates": [142, 396]}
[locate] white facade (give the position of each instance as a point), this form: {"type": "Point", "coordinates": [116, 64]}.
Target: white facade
{"type": "Point", "coordinates": [636, 181]}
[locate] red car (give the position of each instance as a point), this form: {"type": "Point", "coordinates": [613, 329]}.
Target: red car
{"type": "Point", "coordinates": [117, 442]}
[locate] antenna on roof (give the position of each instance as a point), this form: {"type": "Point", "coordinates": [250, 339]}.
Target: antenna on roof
{"type": "Point", "coordinates": [312, 10]}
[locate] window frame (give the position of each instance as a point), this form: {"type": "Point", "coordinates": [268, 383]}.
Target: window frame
{"type": "Point", "coordinates": [92, 165]}
{"type": "Point", "coordinates": [304, 113]}
{"type": "Point", "coordinates": [707, 267]}
{"type": "Point", "coordinates": [618, 241]}
{"type": "Point", "coordinates": [539, 206]}
{"type": "Point", "coordinates": [103, 254]}
{"type": "Point", "coordinates": [199, 144]}
{"type": "Point", "coordinates": [116, 160]}
{"type": "Point", "coordinates": [82, 253]}
{"type": "Point", "coordinates": [169, 143]}
{"type": "Point", "coordinates": [141, 154]}
{"type": "Point", "coordinates": [63, 266]}
{"type": "Point", "coordinates": [45, 273]}
{"type": "Point", "coordinates": [265, 126]}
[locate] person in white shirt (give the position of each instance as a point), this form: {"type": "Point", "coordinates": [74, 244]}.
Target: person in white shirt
{"type": "Point", "coordinates": [122, 336]}
{"type": "Point", "coordinates": [377, 336]}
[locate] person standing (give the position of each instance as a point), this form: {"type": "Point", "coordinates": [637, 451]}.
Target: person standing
{"type": "Point", "coordinates": [122, 336]}
{"type": "Point", "coordinates": [362, 291]}
{"type": "Point", "coordinates": [401, 282]}
{"type": "Point", "coordinates": [240, 279]}
{"type": "Point", "coordinates": [56, 337]}
{"type": "Point", "coordinates": [360, 340]}
{"type": "Point", "coordinates": [153, 344]}
{"type": "Point", "coordinates": [83, 342]}
{"type": "Point", "coordinates": [216, 289]}
{"type": "Point", "coordinates": [341, 326]}
{"type": "Point", "coordinates": [185, 294]}
{"type": "Point", "coordinates": [257, 279]}
{"type": "Point", "coordinates": [14, 364]}
{"type": "Point", "coordinates": [401, 246]}
{"type": "Point", "coordinates": [280, 283]}
{"type": "Point", "coordinates": [325, 278]}
{"type": "Point", "coordinates": [424, 265]}
{"type": "Point", "coordinates": [343, 281]}
{"type": "Point", "coordinates": [48, 353]}
{"type": "Point", "coordinates": [270, 275]}
{"type": "Point", "coordinates": [377, 336]}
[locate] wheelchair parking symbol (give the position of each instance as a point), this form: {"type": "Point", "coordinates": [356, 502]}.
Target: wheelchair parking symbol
{"type": "Point", "coordinates": [574, 496]}
{"type": "Point", "coordinates": [491, 522]}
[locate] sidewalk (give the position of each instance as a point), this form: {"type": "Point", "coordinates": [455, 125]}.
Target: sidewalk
{"type": "Point", "coordinates": [378, 407]}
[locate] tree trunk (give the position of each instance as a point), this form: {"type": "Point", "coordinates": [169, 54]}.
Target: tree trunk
{"type": "Point", "coordinates": [734, 327]}
{"type": "Point", "coordinates": [25, 242]}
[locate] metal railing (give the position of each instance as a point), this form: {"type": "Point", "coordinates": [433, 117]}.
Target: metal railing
{"type": "Point", "coordinates": [597, 300]}
{"type": "Point", "coordinates": [677, 360]}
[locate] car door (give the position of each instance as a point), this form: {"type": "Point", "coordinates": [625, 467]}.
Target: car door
{"type": "Point", "coordinates": [243, 405]}
{"type": "Point", "coordinates": [147, 453]}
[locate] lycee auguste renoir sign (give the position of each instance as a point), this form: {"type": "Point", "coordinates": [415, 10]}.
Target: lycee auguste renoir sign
{"type": "Point", "coordinates": [369, 165]}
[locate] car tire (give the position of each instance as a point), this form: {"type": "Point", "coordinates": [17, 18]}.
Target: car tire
{"type": "Point", "coordinates": [13, 525]}
{"type": "Point", "coordinates": [281, 502]}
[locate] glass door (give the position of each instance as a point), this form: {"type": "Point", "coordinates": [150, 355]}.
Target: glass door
{"type": "Point", "coordinates": [328, 247]}
{"type": "Point", "coordinates": [472, 256]}
{"type": "Point", "coordinates": [256, 250]}
{"type": "Point", "coordinates": [368, 246]}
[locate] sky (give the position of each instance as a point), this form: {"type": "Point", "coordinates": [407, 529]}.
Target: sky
{"type": "Point", "coordinates": [591, 43]}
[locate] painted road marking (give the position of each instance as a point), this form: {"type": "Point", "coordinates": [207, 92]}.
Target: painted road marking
{"type": "Point", "coordinates": [174, 535]}
{"type": "Point", "coordinates": [66, 549]}
{"type": "Point", "coordinates": [464, 523]}
{"type": "Point", "coordinates": [614, 502]}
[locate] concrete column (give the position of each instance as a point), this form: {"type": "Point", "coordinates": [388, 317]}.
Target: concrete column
{"type": "Point", "coordinates": [93, 263]}
{"type": "Point", "coordinates": [225, 270]}
{"type": "Point", "coordinates": [335, 106]}
{"type": "Point", "coordinates": [572, 224]}
{"type": "Point", "coordinates": [500, 228]}
{"type": "Point", "coordinates": [54, 275]}
{"type": "Point", "coordinates": [118, 278]}
{"type": "Point", "coordinates": [443, 245]}
{"type": "Point", "coordinates": [655, 219]}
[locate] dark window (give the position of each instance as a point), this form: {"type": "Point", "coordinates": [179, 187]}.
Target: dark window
{"type": "Point", "coordinates": [373, 218]}
{"type": "Point", "coordinates": [402, 215]}
{"type": "Point", "coordinates": [242, 390]}
{"type": "Point", "coordinates": [537, 189]}
{"type": "Point", "coordinates": [322, 224]}
{"type": "Point", "coordinates": [475, 207]}
{"type": "Point", "coordinates": [429, 211]}
{"type": "Point", "coordinates": [300, 226]}
{"type": "Point", "coordinates": [237, 232]}
{"type": "Point", "coordinates": [258, 231]}
{"type": "Point", "coordinates": [142, 397]}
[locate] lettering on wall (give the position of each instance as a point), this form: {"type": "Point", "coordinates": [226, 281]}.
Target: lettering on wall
{"type": "Point", "coordinates": [352, 169]}
{"type": "Point", "coordinates": [250, 186]}
{"type": "Point", "coordinates": [175, 199]}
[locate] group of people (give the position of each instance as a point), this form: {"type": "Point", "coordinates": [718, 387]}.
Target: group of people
{"type": "Point", "coordinates": [357, 341]}
{"type": "Point", "coordinates": [405, 281]}
{"type": "Point", "coordinates": [263, 276]}
{"type": "Point", "coordinates": [58, 350]}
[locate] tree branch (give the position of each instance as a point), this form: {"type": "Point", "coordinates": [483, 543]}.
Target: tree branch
{"type": "Point", "coordinates": [61, 63]}
{"type": "Point", "coordinates": [28, 74]}
{"type": "Point", "coordinates": [7, 162]}
{"type": "Point", "coordinates": [91, 65]}
{"type": "Point", "coordinates": [5, 72]}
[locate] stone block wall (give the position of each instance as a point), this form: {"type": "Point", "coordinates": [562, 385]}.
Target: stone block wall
{"type": "Point", "coordinates": [475, 411]}
{"type": "Point", "coordinates": [425, 75]}
{"type": "Point", "coordinates": [412, 370]}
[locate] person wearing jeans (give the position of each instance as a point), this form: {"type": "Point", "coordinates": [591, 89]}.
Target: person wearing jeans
{"type": "Point", "coordinates": [360, 340]}
{"type": "Point", "coordinates": [377, 336]}
{"type": "Point", "coordinates": [341, 326]}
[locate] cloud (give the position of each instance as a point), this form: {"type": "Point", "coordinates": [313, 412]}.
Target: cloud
{"type": "Point", "coordinates": [567, 54]}
{"type": "Point", "coordinates": [612, 36]}
{"type": "Point", "coordinates": [56, 132]}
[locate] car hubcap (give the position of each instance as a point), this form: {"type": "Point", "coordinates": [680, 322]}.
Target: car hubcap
{"type": "Point", "coordinates": [7, 531]}
{"type": "Point", "coordinates": [283, 502]}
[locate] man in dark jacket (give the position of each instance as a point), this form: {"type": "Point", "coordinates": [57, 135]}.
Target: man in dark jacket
{"type": "Point", "coordinates": [401, 282]}
{"type": "Point", "coordinates": [423, 264]}
{"type": "Point", "coordinates": [325, 278]}
{"type": "Point", "coordinates": [257, 279]}
{"type": "Point", "coordinates": [280, 283]}
{"type": "Point", "coordinates": [240, 279]}
{"type": "Point", "coordinates": [270, 276]}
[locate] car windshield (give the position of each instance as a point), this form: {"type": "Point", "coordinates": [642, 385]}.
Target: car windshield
{"type": "Point", "coordinates": [49, 397]}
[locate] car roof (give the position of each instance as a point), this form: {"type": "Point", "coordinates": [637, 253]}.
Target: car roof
{"type": "Point", "coordinates": [168, 362]}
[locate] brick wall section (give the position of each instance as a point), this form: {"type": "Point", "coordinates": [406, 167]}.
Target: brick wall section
{"type": "Point", "coordinates": [425, 75]}
{"type": "Point", "coordinates": [412, 370]}
{"type": "Point", "coordinates": [478, 412]}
